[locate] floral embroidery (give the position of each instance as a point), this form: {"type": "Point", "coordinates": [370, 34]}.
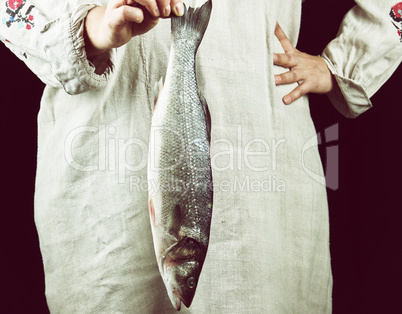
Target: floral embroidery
{"type": "Point", "coordinates": [24, 19]}
{"type": "Point", "coordinates": [396, 15]}
{"type": "Point", "coordinates": [14, 4]}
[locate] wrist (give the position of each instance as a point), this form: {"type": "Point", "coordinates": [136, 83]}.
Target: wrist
{"type": "Point", "coordinates": [329, 77]}
{"type": "Point", "coordinates": [94, 45]}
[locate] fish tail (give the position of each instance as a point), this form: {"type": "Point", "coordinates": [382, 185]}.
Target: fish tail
{"type": "Point", "coordinates": [193, 23]}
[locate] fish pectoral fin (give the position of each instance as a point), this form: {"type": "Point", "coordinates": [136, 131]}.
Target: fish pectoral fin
{"type": "Point", "coordinates": [174, 222]}
{"type": "Point", "coordinates": [207, 115]}
{"type": "Point", "coordinates": [157, 91]}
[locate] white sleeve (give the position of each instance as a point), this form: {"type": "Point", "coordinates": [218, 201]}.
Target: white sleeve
{"type": "Point", "coordinates": [49, 39]}
{"type": "Point", "coordinates": [367, 50]}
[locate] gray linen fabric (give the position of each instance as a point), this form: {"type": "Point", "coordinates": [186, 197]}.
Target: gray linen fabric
{"type": "Point", "coordinates": [269, 247]}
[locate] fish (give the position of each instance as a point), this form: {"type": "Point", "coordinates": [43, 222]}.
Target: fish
{"type": "Point", "coordinates": [179, 163]}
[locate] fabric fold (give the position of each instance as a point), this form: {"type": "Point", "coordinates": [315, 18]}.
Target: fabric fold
{"type": "Point", "coordinates": [365, 53]}
{"type": "Point", "coordinates": [65, 49]}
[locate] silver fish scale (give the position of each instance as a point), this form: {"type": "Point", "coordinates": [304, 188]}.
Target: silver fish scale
{"type": "Point", "coordinates": [179, 168]}
{"type": "Point", "coordinates": [189, 181]}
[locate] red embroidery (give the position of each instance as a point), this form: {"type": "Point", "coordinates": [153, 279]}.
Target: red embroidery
{"type": "Point", "coordinates": [15, 4]}
{"type": "Point", "coordinates": [17, 14]}
{"type": "Point", "coordinates": [396, 15]}
{"type": "Point", "coordinates": [396, 12]}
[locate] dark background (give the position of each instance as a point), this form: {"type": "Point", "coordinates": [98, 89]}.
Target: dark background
{"type": "Point", "coordinates": [364, 211]}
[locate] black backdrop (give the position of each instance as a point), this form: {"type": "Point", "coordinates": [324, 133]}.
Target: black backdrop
{"type": "Point", "coordinates": [364, 211]}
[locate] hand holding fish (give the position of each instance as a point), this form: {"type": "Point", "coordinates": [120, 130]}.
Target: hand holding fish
{"type": "Point", "coordinates": [310, 72]}
{"type": "Point", "coordinates": [114, 25]}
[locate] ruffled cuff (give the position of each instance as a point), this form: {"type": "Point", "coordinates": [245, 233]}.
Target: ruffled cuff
{"type": "Point", "coordinates": [63, 41]}
{"type": "Point", "coordinates": [349, 97]}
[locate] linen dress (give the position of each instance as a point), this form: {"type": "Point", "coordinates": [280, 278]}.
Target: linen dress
{"type": "Point", "coordinates": [269, 244]}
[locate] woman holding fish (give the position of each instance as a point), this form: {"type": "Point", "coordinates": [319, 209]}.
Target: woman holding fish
{"type": "Point", "coordinates": [206, 190]}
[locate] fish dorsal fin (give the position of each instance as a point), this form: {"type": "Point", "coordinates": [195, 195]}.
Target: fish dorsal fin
{"type": "Point", "coordinates": [157, 92]}
{"type": "Point", "coordinates": [207, 115]}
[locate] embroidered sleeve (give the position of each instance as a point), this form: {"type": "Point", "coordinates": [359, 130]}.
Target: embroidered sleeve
{"type": "Point", "coordinates": [49, 39]}
{"type": "Point", "coordinates": [17, 12]}
{"type": "Point", "coordinates": [364, 55]}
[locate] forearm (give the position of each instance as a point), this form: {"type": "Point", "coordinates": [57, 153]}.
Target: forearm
{"type": "Point", "coordinates": [364, 55]}
{"type": "Point", "coordinates": [52, 45]}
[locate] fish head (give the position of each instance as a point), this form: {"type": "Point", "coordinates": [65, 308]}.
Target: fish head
{"type": "Point", "coordinates": [181, 271]}
{"type": "Point", "coordinates": [182, 283]}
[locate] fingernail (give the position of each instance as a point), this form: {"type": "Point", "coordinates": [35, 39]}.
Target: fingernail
{"type": "Point", "coordinates": [287, 100]}
{"type": "Point", "coordinates": [277, 79]}
{"type": "Point", "coordinates": [275, 57]}
{"type": "Point", "coordinates": [156, 12]}
{"type": "Point", "coordinates": [166, 11]}
{"type": "Point", "coordinates": [179, 9]}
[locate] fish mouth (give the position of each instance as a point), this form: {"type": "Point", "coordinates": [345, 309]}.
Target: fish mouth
{"type": "Point", "coordinates": [166, 264]}
{"type": "Point", "coordinates": [174, 291]}
{"type": "Point", "coordinates": [178, 265]}
{"type": "Point", "coordinates": [176, 298]}
{"type": "Point", "coordinates": [174, 294]}
{"type": "Point", "coordinates": [187, 303]}
{"type": "Point", "coordinates": [176, 301]}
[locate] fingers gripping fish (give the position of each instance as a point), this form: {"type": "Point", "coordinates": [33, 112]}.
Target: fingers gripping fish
{"type": "Point", "coordinates": [180, 165]}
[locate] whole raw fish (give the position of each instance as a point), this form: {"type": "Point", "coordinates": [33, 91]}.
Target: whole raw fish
{"type": "Point", "coordinates": [179, 168]}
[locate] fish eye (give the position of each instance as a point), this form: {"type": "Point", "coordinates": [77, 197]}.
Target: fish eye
{"type": "Point", "coordinates": [191, 282]}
